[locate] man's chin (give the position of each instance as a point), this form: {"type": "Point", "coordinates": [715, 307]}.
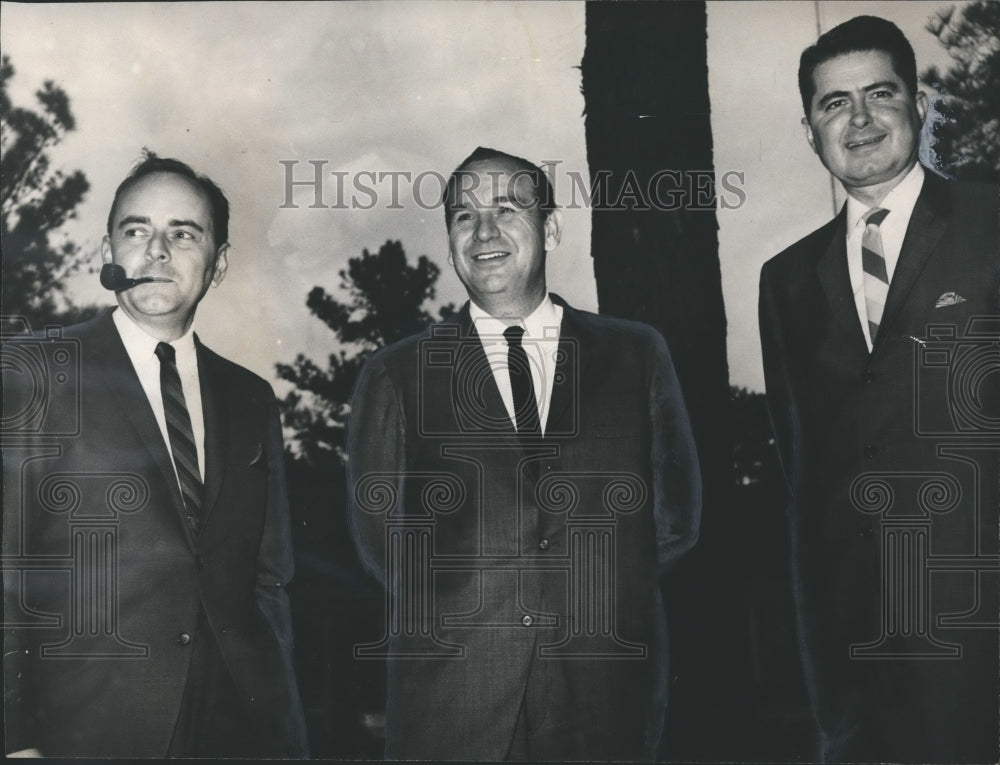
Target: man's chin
{"type": "Point", "coordinates": [875, 176]}
{"type": "Point", "coordinates": [149, 307]}
{"type": "Point", "coordinates": [875, 170]}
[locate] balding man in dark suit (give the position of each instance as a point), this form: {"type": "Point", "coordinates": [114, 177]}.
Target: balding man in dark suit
{"type": "Point", "coordinates": [521, 478]}
{"type": "Point", "coordinates": [146, 532]}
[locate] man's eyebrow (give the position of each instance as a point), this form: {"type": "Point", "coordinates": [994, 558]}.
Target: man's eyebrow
{"type": "Point", "coordinates": [132, 219]}
{"type": "Point", "coordinates": [475, 204]}
{"type": "Point", "coordinates": [881, 85]}
{"type": "Point", "coordinates": [175, 223]}
{"type": "Point", "coordinates": [499, 201]}
{"type": "Point", "coordinates": [129, 220]}
{"type": "Point", "coordinates": [832, 95]}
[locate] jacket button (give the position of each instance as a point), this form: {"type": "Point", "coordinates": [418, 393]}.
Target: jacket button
{"type": "Point", "coordinates": [201, 560]}
{"type": "Point", "coordinates": [184, 639]}
{"type": "Point", "coordinates": [526, 620]}
{"type": "Point", "coordinates": [543, 544]}
{"type": "Point", "coordinates": [869, 377]}
{"type": "Point", "coordinates": [871, 451]}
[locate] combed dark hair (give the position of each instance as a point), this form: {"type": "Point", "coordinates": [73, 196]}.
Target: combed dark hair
{"type": "Point", "coordinates": [543, 188]}
{"type": "Point", "coordinates": [861, 33]}
{"type": "Point", "coordinates": [150, 163]}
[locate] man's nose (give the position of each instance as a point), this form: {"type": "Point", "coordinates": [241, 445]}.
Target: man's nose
{"type": "Point", "coordinates": [486, 227]}
{"type": "Point", "coordinates": [860, 115]}
{"type": "Point", "coordinates": [157, 248]}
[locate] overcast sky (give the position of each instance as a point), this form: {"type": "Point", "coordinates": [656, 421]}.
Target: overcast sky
{"type": "Point", "coordinates": [234, 89]}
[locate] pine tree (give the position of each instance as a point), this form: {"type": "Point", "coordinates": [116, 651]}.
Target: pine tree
{"type": "Point", "coordinates": [968, 133]}
{"type": "Point", "coordinates": [35, 201]}
{"type": "Point", "coordinates": [385, 303]}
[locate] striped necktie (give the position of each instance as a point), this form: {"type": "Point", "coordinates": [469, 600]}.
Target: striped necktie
{"type": "Point", "coordinates": [876, 277]}
{"type": "Point", "coordinates": [521, 386]}
{"type": "Point", "coordinates": [181, 434]}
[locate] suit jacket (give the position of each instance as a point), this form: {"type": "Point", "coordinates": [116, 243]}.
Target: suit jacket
{"type": "Point", "coordinates": [102, 607]}
{"type": "Point", "coordinates": [890, 459]}
{"type": "Point", "coordinates": [523, 570]}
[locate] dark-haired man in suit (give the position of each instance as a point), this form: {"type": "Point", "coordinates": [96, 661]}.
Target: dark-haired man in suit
{"type": "Point", "coordinates": [149, 544]}
{"type": "Point", "coordinates": [877, 332]}
{"type": "Point", "coordinates": [520, 480]}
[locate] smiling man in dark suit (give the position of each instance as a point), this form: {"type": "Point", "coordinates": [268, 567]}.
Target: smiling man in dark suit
{"type": "Point", "coordinates": [521, 478]}
{"type": "Point", "coordinates": [145, 609]}
{"type": "Point", "coordinates": [878, 334]}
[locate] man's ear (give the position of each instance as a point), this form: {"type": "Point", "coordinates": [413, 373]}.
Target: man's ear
{"type": "Point", "coordinates": [106, 249]}
{"type": "Point", "coordinates": [810, 138]}
{"type": "Point", "coordinates": [221, 265]}
{"type": "Point", "coordinates": [922, 104]}
{"type": "Point", "coordinates": [553, 230]}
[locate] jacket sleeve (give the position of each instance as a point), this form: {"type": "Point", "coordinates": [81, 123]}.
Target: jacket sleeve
{"type": "Point", "coordinates": [674, 458]}
{"type": "Point", "coordinates": [17, 684]}
{"type": "Point", "coordinates": [376, 439]}
{"type": "Point", "coordinates": [780, 403]}
{"type": "Point", "coordinates": [20, 643]}
{"type": "Point", "coordinates": [275, 567]}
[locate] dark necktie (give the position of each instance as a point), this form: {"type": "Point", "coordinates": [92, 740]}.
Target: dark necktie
{"type": "Point", "coordinates": [179, 429]}
{"type": "Point", "coordinates": [523, 390]}
{"type": "Point", "coordinates": [876, 277]}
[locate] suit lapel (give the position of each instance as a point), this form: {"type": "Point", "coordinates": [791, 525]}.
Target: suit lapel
{"type": "Point", "coordinates": [836, 281]}
{"type": "Point", "coordinates": [476, 387]}
{"type": "Point", "coordinates": [115, 371]}
{"type": "Point", "coordinates": [216, 430]}
{"type": "Point", "coordinates": [571, 360]}
{"type": "Point", "coordinates": [927, 224]}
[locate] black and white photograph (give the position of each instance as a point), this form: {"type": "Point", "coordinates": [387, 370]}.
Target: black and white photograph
{"type": "Point", "coordinates": [497, 380]}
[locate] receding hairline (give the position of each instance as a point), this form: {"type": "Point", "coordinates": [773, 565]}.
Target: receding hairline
{"type": "Point", "coordinates": [514, 169]}
{"type": "Point", "coordinates": [495, 167]}
{"type": "Point", "coordinates": [191, 183]}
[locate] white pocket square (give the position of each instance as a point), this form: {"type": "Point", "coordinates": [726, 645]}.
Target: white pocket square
{"type": "Point", "coordinates": [949, 298]}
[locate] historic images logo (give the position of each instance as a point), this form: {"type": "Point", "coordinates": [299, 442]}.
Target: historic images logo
{"type": "Point", "coordinates": [312, 184]}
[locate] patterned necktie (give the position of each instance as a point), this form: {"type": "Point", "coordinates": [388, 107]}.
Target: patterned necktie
{"type": "Point", "coordinates": [876, 277]}
{"type": "Point", "coordinates": [181, 434]}
{"type": "Point", "coordinates": [521, 386]}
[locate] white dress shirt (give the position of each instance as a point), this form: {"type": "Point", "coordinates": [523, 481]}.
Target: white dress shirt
{"type": "Point", "coordinates": [541, 341]}
{"type": "Point", "coordinates": [141, 349]}
{"type": "Point", "coordinates": [899, 202]}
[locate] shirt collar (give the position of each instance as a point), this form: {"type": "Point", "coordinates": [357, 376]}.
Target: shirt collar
{"type": "Point", "coordinates": [142, 345]}
{"type": "Point", "coordinates": [542, 323]}
{"type": "Point", "coordinates": [900, 199]}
